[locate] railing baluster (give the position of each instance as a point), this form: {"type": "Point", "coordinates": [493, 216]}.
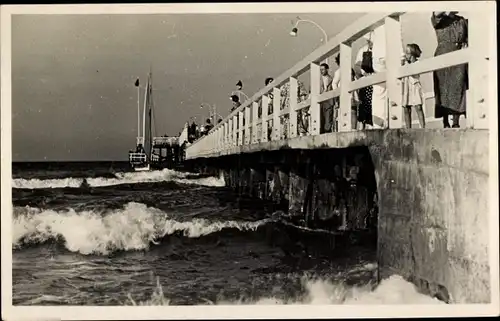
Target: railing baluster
{"type": "Point", "coordinates": [276, 114]}
{"type": "Point", "coordinates": [265, 117]}
{"type": "Point", "coordinates": [235, 130]}
{"type": "Point", "coordinates": [218, 138]}
{"type": "Point", "coordinates": [293, 97]}
{"type": "Point", "coordinates": [345, 114]}
{"type": "Point", "coordinates": [248, 136]}
{"type": "Point", "coordinates": [241, 114]}
{"type": "Point", "coordinates": [255, 119]}
{"type": "Point", "coordinates": [229, 136]}
{"type": "Point", "coordinates": [393, 50]}
{"type": "Point", "coordinates": [224, 135]}
{"type": "Point", "coordinates": [314, 110]}
{"type": "Point", "coordinates": [477, 102]}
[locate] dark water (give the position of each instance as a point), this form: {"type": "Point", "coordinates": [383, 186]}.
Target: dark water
{"type": "Point", "coordinates": [165, 237]}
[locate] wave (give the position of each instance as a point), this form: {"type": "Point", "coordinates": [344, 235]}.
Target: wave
{"type": "Point", "coordinates": [135, 227]}
{"type": "Point", "coordinates": [121, 178]}
{"type": "Point", "coordinates": [322, 291]}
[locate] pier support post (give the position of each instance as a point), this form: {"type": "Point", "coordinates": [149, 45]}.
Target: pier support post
{"type": "Point", "coordinates": [298, 189]}
{"type": "Point", "coordinates": [244, 181]}
{"type": "Point", "coordinates": [257, 182]}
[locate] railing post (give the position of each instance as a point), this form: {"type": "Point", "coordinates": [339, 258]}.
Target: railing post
{"type": "Point", "coordinates": [292, 99]}
{"type": "Point", "coordinates": [265, 116]}
{"type": "Point", "coordinates": [477, 95]}
{"type": "Point", "coordinates": [218, 137]}
{"type": "Point", "coordinates": [241, 114]}
{"type": "Point", "coordinates": [276, 114]}
{"type": "Point", "coordinates": [235, 130]}
{"type": "Point", "coordinates": [345, 115]}
{"type": "Point", "coordinates": [248, 137]}
{"type": "Point", "coordinates": [393, 50]}
{"type": "Point", "coordinates": [224, 135]}
{"type": "Point", "coordinates": [229, 136]}
{"type": "Point", "coordinates": [314, 110]}
{"type": "Point", "coordinates": [255, 120]}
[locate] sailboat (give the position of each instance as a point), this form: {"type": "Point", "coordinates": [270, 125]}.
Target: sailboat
{"type": "Point", "coordinates": [140, 159]}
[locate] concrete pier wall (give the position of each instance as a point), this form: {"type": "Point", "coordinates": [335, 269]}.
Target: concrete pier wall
{"type": "Point", "coordinates": [433, 222]}
{"type": "Point", "coordinates": [424, 193]}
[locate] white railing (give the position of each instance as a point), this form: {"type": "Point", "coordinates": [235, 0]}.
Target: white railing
{"type": "Point", "coordinates": [137, 157]}
{"type": "Point", "coordinates": [165, 140]}
{"type": "Point", "coordinates": [241, 127]}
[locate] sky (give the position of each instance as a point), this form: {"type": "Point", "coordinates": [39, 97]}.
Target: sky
{"type": "Point", "coordinates": [73, 94]}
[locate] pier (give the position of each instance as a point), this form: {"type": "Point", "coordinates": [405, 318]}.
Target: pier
{"type": "Point", "coordinates": [426, 191]}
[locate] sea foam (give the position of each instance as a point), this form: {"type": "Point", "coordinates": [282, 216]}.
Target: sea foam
{"type": "Point", "coordinates": [121, 178]}
{"type": "Point", "coordinates": [134, 227]}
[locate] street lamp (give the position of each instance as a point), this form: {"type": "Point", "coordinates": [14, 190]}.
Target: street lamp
{"type": "Point", "coordinates": [212, 111]}
{"type": "Point", "coordinates": [295, 30]}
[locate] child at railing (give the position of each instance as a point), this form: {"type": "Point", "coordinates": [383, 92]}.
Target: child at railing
{"type": "Point", "coordinates": [412, 89]}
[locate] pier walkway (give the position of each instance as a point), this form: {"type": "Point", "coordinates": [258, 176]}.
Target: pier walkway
{"type": "Point", "coordinates": [430, 185]}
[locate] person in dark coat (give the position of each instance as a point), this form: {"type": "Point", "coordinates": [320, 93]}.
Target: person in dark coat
{"type": "Point", "coordinates": [450, 84]}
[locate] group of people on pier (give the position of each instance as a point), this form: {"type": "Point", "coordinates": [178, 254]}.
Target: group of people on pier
{"type": "Point", "coordinates": [196, 131]}
{"type": "Point", "coordinates": [369, 104]}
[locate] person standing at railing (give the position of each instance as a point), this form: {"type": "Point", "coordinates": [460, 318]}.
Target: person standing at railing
{"type": "Point", "coordinates": [302, 116]}
{"type": "Point", "coordinates": [364, 114]}
{"type": "Point", "coordinates": [412, 89]}
{"type": "Point", "coordinates": [208, 126]}
{"type": "Point", "coordinates": [269, 109]}
{"type": "Point", "coordinates": [236, 102]}
{"type": "Point", "coordinates": [327, 114]}
{"type": "Point", "coordinates": [450, 84]}
{"type": "Point", "coordinates": [354, 96]}
{"type": "Point", "coordinates": [371, 59]}
{"type": "Point", "coordinates": [192, 132]}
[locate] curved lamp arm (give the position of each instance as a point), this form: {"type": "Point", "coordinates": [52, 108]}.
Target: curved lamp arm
{"type": "Point", "coordinates": [314, 23]}
{"type": "Point", "coordinates": [299, 20]}
{"type": "Point", "coordinates": [240, 92]}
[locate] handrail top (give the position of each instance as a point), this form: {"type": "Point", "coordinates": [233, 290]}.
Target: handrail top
{"type": "Point", "coordinates": [351, 33]}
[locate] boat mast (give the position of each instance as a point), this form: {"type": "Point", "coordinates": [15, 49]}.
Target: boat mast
{"type": "Point", "coordinates": [150, 107]}
{"type": "Point", "coordinates": [137, 84]}
{"type": "Point", "coordinates": [144, 114]}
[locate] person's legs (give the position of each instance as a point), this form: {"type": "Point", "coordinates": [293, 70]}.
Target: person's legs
{"type": "Point", "coordinates": [354, 117]}
{"type": "Point", "coordinates": [420, 115]}
{"type": "Point", "coordinates": [335, 125]}
{"type": "Point", "coordinates": [456, 121]}
{"type": "Point", "coordinates": [446, 120]}
{"type": "Point", "coordinates": [327, 118]}
{"type": "Point", "coordinates": [407, 114]}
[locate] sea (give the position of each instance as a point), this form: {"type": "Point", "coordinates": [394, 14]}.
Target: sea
{"type": "Point", "coordinates": [170, 238]}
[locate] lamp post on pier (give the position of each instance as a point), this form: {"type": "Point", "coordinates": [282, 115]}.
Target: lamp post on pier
{"type": "Point", "coordinates": [212, 111]}
{"type": "Point", "coordinates": [295, 30]}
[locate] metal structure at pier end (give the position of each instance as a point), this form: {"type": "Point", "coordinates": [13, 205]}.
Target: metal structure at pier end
{"type": "Point", "coordinates": [430, 186]}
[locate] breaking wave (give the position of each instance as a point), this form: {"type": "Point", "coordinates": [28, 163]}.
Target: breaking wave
{"type": "Point", "coordinates": [121, 178]}
{"type": "Point", "coordinates": [134, 227]}
{"type": "Point", "coordinates": [322, 291]}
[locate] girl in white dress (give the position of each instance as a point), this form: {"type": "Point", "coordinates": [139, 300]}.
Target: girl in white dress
{"type": "Point", "coordinates": [412, 89]}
